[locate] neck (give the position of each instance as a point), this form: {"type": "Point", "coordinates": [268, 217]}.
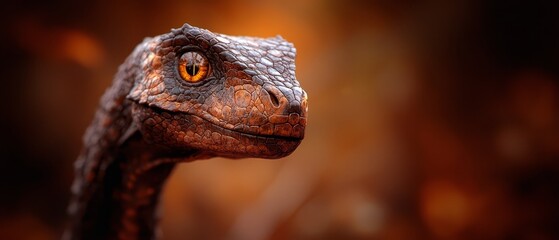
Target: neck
{"type": "Point", "coordinates": [124, 203]}
{"type": "Point", "coordinates": [119, 176]}
{"type": "Point", "coordinates": [129, 193]}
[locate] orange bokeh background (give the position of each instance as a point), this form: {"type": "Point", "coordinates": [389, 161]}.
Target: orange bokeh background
{"type": "Point", "coordinates": [427, 119]}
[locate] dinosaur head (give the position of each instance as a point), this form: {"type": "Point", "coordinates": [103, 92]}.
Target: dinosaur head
{"type": "Point", "coordinates": [224, 95]}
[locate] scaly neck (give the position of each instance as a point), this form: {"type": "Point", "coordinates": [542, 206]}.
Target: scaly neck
{"type": "Point", "coordinates": [124, 203]}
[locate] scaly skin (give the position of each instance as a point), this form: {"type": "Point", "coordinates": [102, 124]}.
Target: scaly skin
{"type": "Point", "coordinates": [250, 105]}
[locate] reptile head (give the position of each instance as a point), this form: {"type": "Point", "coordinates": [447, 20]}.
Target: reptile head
{"type": "Point", "coordinates": [222, 95]}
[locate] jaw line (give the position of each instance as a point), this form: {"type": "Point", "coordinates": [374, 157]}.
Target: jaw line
{"type": "Point", "coordinates": [271, 137]}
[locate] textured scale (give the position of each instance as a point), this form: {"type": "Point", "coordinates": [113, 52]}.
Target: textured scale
{"type": "Point", "coordinates": [249, 105]}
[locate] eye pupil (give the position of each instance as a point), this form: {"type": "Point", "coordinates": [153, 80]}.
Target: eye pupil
{"type": "Point", "coordinates": [193, 67]}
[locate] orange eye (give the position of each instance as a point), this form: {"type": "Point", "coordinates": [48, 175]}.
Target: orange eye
{"type": "Point", "coordinates": [193, 67]}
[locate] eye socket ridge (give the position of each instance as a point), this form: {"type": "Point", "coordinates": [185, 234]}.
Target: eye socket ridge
{"type": "Point", "coordinates": [193, 66]}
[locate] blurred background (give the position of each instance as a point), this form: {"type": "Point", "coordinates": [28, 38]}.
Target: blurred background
{"type": "Point", "coordinates": [428, 119]}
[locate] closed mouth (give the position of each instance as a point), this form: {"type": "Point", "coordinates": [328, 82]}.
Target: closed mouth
{"type": "Point", "coordinates": [252, 135]}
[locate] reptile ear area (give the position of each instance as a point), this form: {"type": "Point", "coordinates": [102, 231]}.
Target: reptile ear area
{"type": "Point", "coordinates": [130, 131]}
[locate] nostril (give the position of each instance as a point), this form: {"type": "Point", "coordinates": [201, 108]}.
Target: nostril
{"type": "Point", "coordinates": [273, 98]}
